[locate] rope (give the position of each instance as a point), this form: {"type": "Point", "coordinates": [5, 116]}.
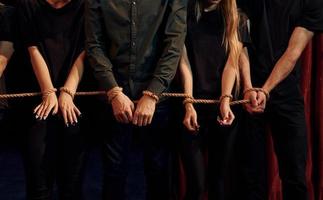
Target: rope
{"type": "Point", "coordinates": [95, 93]}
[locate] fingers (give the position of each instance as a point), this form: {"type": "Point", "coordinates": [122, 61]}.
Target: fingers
{"type": "Point", "coordinates": [187, 123]}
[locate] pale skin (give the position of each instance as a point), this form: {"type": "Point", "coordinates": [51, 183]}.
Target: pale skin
{"type": "Point", "coordinates": [50, 103]}
{"type": "Point", "coordinates": [228, 80]}
{"type": "Point", "coordinates": [285, 64]}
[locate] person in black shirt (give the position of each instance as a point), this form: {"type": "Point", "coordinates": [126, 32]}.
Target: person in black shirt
{"type": "Point", "coordinates": [214, 53]}
{"type": "Point", "coordinates": [134, 48]}
{"type": "Point", "coordinates": [6, 49]}
{"type": "Point", "coordinates": [53, 32]}
{"type": "Point", "coordinates": [280, 30]}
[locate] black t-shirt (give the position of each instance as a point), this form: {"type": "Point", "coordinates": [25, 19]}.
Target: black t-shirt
{"type": "Point", "coordinates": [206, 51]}
{"type": "Point", "coordinates": [272, 23]}
{"type": "Point", "coordinates": [6, 34]}
{"type": "Point", "coordinates": [58, 34]}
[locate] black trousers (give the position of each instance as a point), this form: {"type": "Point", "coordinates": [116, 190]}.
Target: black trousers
{"type": "Point", "coordinates": [155, 141]}
{"type": "Point", "coordinates": [54, 153]}
{"type": "Point", "coordinates": [285, 116]}
{"type": "Point", "coordinates": [218, 142]}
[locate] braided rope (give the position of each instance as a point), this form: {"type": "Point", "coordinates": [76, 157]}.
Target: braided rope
{"type": "Point", "coordinates": [94, 93]}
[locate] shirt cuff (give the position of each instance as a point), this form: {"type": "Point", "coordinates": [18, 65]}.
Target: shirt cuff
{"type": "Point", "coordinates": [156, 87]}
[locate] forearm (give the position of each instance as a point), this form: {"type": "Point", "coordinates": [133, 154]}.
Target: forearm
{"type": "Point", "coordinates": [175, 33]}
{"type": "Point", "coordinates": [96, 45]}
{"type": "Point", "coordinates": [286, 63]}
{"type": "Point", "coordinates": [186, 73]}
{"type": "Point", "coordinates": [3, 64]}
{"type": "Point", "coordinates": [229, 76]}
{"type": "Point", "coordinates": [245, 69]}
{"type": "Point", "coordinates": [76, 73]}
{"type": "Point", "coordinates": [40, 69]}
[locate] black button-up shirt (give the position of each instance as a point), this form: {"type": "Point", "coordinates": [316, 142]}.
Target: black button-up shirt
{"type": "Point", "coordinates": [135, 44]}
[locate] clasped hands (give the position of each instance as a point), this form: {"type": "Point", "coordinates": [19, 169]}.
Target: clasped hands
{"type": "Point", "coordinates": [126, 112]}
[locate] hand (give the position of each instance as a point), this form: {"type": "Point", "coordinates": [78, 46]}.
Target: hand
{"type": "Point", "coordinates": [262, 100]}
{"type": "Point", "coordinates": [123, 108]}
{"type": "Point", "coordinates": [252, 107]}
{"type": "Point", "coordinates": [69, 111]}
{"type": "Point", "coordinates": [49, 104]}
{"type": "Point", "coordinates": [190, 119]}
{"type": "Point", "coordinates": [227, 115]}
{"type": "Point", "coordinates": [144, 111]}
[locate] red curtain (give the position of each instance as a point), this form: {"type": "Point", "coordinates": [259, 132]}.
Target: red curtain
{"type": "Point", "coordinates": [312, 87]}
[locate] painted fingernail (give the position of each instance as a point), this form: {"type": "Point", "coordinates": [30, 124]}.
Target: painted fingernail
{"type": "Point", "coordinates": [36, 116]}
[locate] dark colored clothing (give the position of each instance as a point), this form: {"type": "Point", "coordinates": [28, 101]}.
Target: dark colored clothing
{"type": "Point", "coordinates": [58, 34]}
{"type": "Point", "coordinates": [218, 142]}
{"type": "Point", "coordinates": [272, 23]}
{"type": "Point", "coordinates": [206, 51]}
{"type": "Point", "coordinates": [155, 142]}
{"type": "Point", "coordinates": [135, 44]}
{"type": "Point", "coordinates": [54, 153]}
{"type": "Point", "coordinates": [6, 34]}
{"type": "Point", "coordinates": [287, 120]}
{"type": "Point", "coordinates": [207, 56]}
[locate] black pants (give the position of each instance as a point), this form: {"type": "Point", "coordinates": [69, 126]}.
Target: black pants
{"type": "Point", "coordinates": [155, 141]}
{"type": "Point", "coordinates": [218, 142]}
{"type": "Point", "coordinates": [54, 153]}
{"type": "Point", "coordinates": [285, 116]}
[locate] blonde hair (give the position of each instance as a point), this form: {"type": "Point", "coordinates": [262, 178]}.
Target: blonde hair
{"type": "Point", "coordinates": [231, 34]}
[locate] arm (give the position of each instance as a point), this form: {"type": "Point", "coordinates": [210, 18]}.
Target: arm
{"type": "Point", "coordinates": [6, 51]}
{"type": "Point", "coordinates": [250, 95]}
{"type": "Point", "coordinates": [97, 53]}
{"type": "Point", "coordinates": [69, 111]}
{"type": "Point", "coordinates": [185, 73]}
{"type": "Point", "coordinates": [229, 77]}
{"type": "Point", "coordinates": [49, 103]}
{"type": "Point", "coordinates": [286, 63]}
{"type": "Point", "coordinates": [175, 31]}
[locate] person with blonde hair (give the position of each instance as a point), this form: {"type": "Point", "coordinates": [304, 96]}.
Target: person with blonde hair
{"type": "Point", "coordinates": [214, 49]}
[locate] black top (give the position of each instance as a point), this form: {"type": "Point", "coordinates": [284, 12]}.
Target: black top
{"type": "Point", "coordinates": [272, 23]}
{"type": "Point", "coordinates": [6, 34]}
{"type": "Point", "coordinates": [206, 51]}
{"type": "Point", "coordinates": [58, 34]}
{"type": "Point", "coordinates": [135, 44]}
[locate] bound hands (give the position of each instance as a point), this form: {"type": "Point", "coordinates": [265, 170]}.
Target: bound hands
{"type": "Point", "coordinates": [190, 118]}
{"type": "Point", "coordinates": [68, 109]}
{"type": "Point", "coordinates": [48, 105]}
{"type": "Point", "coordinates": [258, 98]}
{"type": "Point", "coordinates": [227, 116]}
{"type": "Point", "coordinates": [125, 111]}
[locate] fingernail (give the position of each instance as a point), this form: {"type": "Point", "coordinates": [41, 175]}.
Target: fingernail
{"type": "Point", "coordinates": [67, 125]}
{"type": "Point", "coordinates": [36, 116]}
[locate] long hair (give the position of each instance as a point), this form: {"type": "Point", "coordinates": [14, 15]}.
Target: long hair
{"type": "Point", "coordinates": [231, 37]}
{"type": "Point", "coordinates": [231, 42]}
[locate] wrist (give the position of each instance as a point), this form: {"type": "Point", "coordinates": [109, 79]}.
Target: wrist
{"type": "Point", "coordinates": [66, 90]}
{"type": "Point", "coordinates": [113, 93]}
{"type": "Point", "coordinates": [226, 98]}
{"type": "Point", "coordinates": [151, 95]}
{"type": "Point", "coordinates": [47, 92]}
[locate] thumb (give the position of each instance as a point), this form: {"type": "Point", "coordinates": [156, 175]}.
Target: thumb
{"type": "Point", "coordinates": [254, 101]}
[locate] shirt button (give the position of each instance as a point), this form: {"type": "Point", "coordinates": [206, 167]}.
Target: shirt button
{"type": "Point", "coordinates": [133, 44]}
{"type": "Point", "coordinates": [133, 23]}
{"type": "Point", "coordinates": [134, 3]}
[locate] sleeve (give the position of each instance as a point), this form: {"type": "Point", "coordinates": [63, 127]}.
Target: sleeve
{"type": "Point", "coordinates": [244, 33]}
{"type": "Point", "coordinates": [96, 45]}
{"type": "Point", "coordinates": [7, 23]}
{"type": "Point", "coordinates": [312, 15]}
{"type": "Point", "coordinates": [25, 13]}
{"type": "Point", "coordinates": [175, 32]}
